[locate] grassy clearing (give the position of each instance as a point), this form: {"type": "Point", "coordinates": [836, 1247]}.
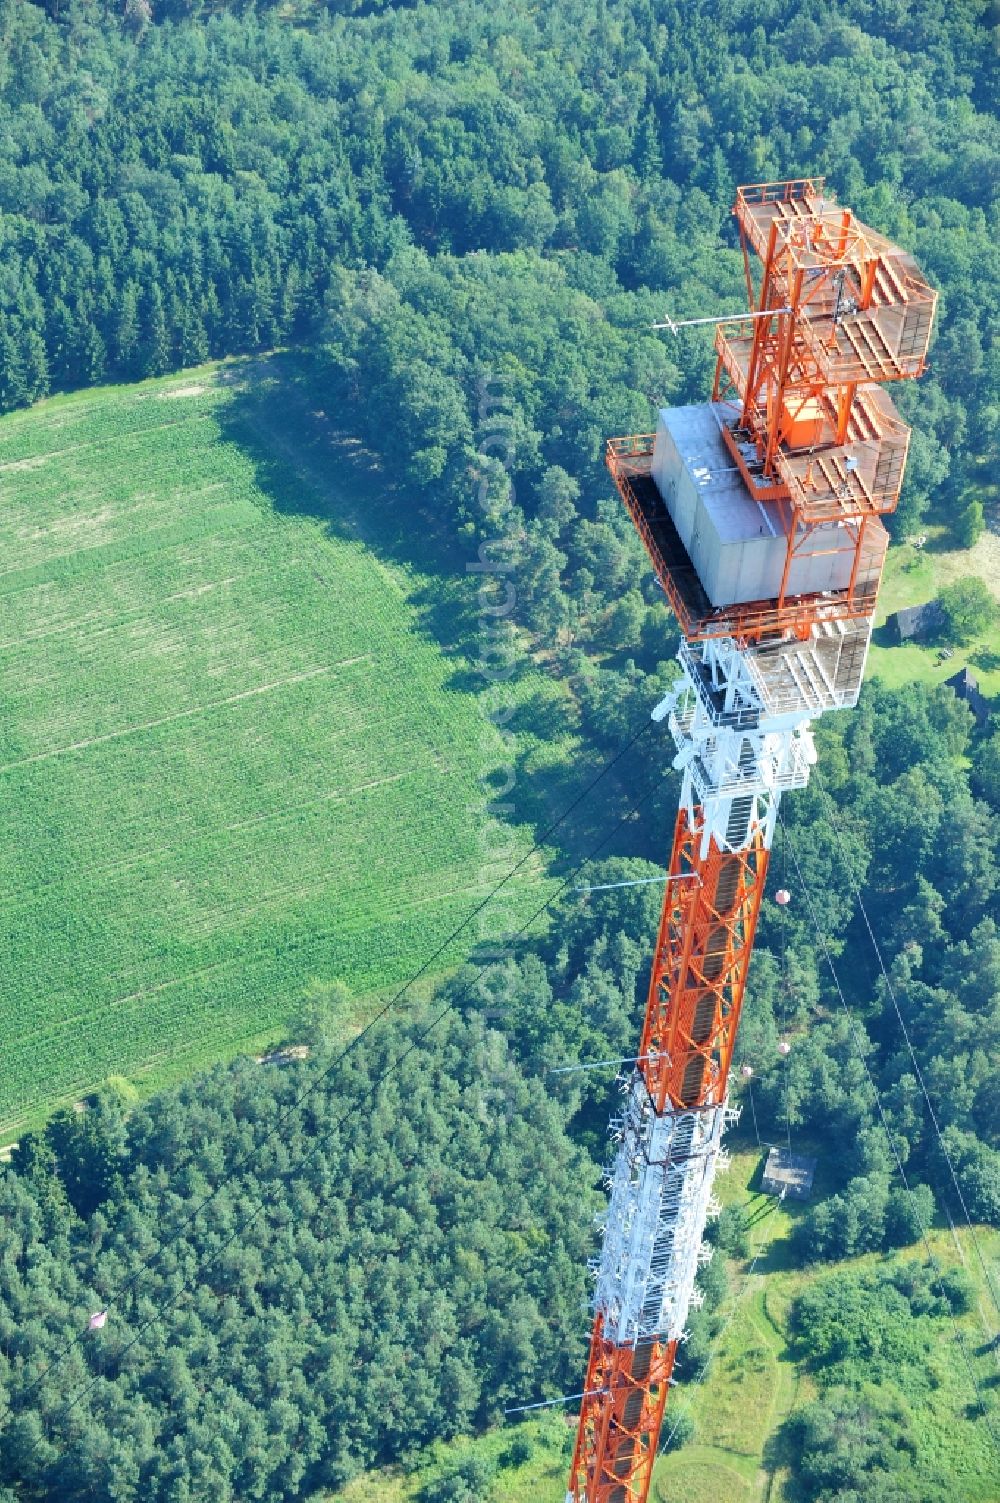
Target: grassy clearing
{"type": "Point", "coordinates": [539, 1479]}
{"type": "Point", "coordinates": [754, 1382]}
{"type": "Point", "coordinates": [915, 575]}
{"type": "Point", "coordinates": [232, 759]}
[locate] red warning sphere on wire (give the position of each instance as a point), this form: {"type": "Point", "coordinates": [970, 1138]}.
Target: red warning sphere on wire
{"type": "Point", "coordinates": [782, 897]}
{"type": "Point", "coordinates": [784, 1047]}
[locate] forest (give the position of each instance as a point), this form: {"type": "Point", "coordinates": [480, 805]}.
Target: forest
{"type": "Point", "coordinates": [463, 220]}
{"type": "Point", "coordinates": [398, 1258]}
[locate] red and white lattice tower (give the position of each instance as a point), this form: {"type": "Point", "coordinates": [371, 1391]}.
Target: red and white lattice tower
{"type": "Point", "coordinates": [761, 513]}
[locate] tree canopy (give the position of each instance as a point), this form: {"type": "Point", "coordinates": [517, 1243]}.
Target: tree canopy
{"type": "Point", "coordinates": [469, 216]}
{"type": "Point", "coordinates": [392, 1250]}
{"type": "Point", "coordinates": [442, 196]}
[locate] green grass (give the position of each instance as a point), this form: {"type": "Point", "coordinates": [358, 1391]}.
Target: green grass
{"type": "Point", "coordinates": [916, 575]}
{"type": "Point", "coordinates": [233, 756]}
{"type": "Point", "coordinates": [754, 1382]}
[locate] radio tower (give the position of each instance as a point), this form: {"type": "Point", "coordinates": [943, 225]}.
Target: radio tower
{"type": "Point", "coordinates": [761, 513]}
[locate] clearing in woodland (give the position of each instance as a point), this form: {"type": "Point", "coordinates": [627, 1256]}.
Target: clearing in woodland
{"type": "Point", "coordinates": [232, 762]}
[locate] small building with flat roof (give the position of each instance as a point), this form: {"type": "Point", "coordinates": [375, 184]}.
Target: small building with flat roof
{"type": "Point", "coordinates": [789, 1174]}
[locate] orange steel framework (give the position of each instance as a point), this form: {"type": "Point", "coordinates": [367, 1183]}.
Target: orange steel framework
{"type": "Point", "coordinates": [815, 434]}
{"type": "Point", "coordinates": [700, 968]}
{"type": "Point", "coordinates": [625, 1396]}
{"type": "Point", "coordinates": [814, 437]}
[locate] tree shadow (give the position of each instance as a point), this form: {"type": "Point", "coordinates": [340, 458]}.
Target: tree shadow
{"type": "Point", "coordinates": [602, 824]}
{"type": "Point", "coordinates": [885, 636]}
{"type": "Point", "coordinates": [780, 1257]}
{"type": "Point", "coordinates": [546, 715]}
{"type": "Point", "coordinates": [307, 463]}
{"type": "Point", "coordinates": [782, 1454]}
{"type": "Point", "coordinates": [940, 542]}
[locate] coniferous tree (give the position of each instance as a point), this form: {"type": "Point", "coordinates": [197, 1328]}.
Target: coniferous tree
{"type": "Point", "coordinates": [153, 348]}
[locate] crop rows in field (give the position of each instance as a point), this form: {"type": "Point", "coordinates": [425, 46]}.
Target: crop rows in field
{"type": "Point", "coordinates": [229, 763]}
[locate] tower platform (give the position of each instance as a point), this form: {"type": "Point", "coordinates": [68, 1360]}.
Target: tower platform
{"type": "Point", "coordinates": [630, 461]}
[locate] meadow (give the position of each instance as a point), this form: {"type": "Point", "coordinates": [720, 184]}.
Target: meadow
{"type": "Point", "coordinates": [233, 761]}
{"type": "Point", "coordinates": [914, 576]}
{"type": "Point", "coordinates": [752, 1382]}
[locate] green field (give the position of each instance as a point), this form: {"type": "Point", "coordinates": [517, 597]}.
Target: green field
{"type": "Point", "coordinates": [753, 1383]}
{"type": "Point", "coordinates": [232, 758]}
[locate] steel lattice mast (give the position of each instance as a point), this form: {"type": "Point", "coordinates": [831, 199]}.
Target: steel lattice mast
{"type": "Point", "coordinates": [760, 512]}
